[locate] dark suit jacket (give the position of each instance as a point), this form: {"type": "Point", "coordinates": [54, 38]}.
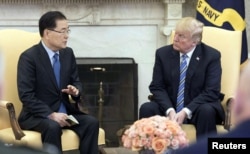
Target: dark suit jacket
{"type": "Point", "coordinates": [37, 87]}
{"type": "Point", "coordinates": [203, 78]}
{"type": "Point", "coordinates": [201, 146]}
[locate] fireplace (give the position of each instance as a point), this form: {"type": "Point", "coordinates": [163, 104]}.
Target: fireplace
{"type": "Point", "coordinates": [110, 92]}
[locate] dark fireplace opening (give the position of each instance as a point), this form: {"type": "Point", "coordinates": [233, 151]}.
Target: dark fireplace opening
{"type": "Point", "coordinates": [110, 92]}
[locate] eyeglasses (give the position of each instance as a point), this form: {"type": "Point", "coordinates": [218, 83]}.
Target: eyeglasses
{"type": "Point", "coordinates": [61, 32]}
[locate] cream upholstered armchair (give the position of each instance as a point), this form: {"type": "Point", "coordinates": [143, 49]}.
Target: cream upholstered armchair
{"type": "Point", "coordinates": [229, 44]}
{"type": "Point", "coordinates": [12, 43]}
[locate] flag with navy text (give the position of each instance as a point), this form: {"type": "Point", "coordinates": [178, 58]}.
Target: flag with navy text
{"type": "Point", "coordinates": [226, 14]}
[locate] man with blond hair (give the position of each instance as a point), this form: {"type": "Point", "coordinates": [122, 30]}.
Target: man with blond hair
{"type": "Point", "coordinates": [186, 80]}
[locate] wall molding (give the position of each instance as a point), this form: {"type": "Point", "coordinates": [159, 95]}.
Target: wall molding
{"type": "Point", "coordinates": [77, 1]}
{"type": "Point", "coordinates": [26, 13]}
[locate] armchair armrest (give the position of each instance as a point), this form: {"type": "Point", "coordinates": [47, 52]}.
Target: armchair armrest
{"type": "Point", "coordinates": [18, 133]}
{"type": "Point", "coordinates": [228, 114]}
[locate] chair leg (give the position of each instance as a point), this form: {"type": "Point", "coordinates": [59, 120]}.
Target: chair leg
{"type": "Point", "coordinates": [101, 149]}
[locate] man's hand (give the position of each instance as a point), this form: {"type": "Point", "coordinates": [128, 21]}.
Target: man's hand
{"type": "Point", "coordinates": [172, 115]}
{"type": "Point", "coordinates": [71, 90]}
{"type": "Point", "coordinates": [60, 118]}
{"type": "Point", "coordinates": [180, 117]}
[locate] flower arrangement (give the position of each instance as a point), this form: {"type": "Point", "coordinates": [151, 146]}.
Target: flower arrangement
{"type": "Point", "coordinates": [156, 133]}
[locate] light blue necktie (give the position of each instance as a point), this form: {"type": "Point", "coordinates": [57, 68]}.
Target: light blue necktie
{"type": "Point", "coordinates": [56, 68]}
{"type": "Point", "coordinates": [180, 96]}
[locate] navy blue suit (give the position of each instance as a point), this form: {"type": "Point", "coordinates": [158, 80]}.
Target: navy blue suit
{"type": "Point", "coordinates": [202, 86]}
{"type": "Point", "coordinates": [41, 96]}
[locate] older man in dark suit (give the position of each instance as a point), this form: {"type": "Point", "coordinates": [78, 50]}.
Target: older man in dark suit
{"type": "Point", "coordinates": [186, 80]}
{"type": "Point", "coordinates": [47, 75]}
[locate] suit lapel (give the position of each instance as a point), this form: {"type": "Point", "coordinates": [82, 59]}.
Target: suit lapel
{"type": "Point", "coordinates": [175, 73]}
{"type": "Point", "coordinates": [63, 64]}
{"type": "Point", "coordinates": [194, 63]}
{"type": "Point", "coordinates": [45, 61]}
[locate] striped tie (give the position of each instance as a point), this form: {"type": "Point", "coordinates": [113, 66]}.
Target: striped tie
{"type": "Point", "coordinates": [180, 97]}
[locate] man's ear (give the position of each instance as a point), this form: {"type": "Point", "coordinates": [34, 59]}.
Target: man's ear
{"type": "Point", "coordinates": [46, 34]}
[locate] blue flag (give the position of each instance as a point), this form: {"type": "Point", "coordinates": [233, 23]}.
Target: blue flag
{"type": "Point", "coordinates": [226, 14]}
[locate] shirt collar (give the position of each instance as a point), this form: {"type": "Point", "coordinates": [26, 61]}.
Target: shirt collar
{"type": "Point", "coordinates": [189, 54]}
{"type": "Point", "coordinates": [50, 52]}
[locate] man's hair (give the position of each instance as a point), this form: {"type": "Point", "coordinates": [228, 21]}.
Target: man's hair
{"type": "Point", "coordinates": [191, 25]}
{"type": "Point", "coordinates": [48, 20]}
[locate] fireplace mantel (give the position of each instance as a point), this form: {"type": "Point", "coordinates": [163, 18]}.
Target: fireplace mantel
{"type": "Point", "coordinates": [164, 13]}
{"type": "Point", "coordinates": [84, 1]}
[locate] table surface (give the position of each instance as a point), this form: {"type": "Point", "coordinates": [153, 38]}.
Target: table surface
{"type": "Point", "coordinates": [119, 150]}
